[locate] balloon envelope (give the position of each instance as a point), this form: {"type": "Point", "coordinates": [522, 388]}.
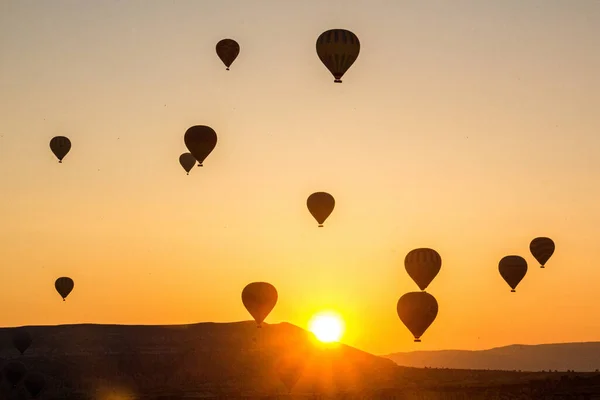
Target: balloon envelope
{"type": "Point", "coordinates": [542, 249]}
{"type": "Point", "coordinates": [320, 205]}
{"type": "Point", "coordinates": [14, 371]}
{"type": "Point", "coordinates": [21, 340]}
{"type": "Point", "coordinates": [200, 141]}
{"type": "Point", "coordinates": [187, 161]}
{"type": "Point", "coordinates": [64, 286]}
{"type": "Point", "coordinates": [513, 270]}
{"type": "Point", "coordinates": [417, 310]}
{"type": "Point", "coordinates": [422, 266]}
{"type": "Point", "coordinates": [290, 369]}
{"type": "Point", "coordinates": [259, 298]}
{"type": "Point", "coordinates": [60, 146]}
{"type": "Point", "coordinates": [34, 383]}
{"type": "Point", "coordinates": [228, 50]}
{"type": "Point", "coordinates": [338, 49]}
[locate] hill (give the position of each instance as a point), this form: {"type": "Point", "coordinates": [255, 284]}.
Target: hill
{"type": "Point", "coordinates": [239, 361]}
{"type": "Point", "coordinates": [204, 358]}
{"type": "Point", "coordinates": [561, 357]}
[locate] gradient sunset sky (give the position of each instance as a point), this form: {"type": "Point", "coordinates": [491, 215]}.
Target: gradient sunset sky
{"type": "Point", "coordinates": [467, 126]}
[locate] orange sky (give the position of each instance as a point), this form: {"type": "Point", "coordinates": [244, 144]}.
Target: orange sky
{"type": "Point", "coordinates": [470, 127]}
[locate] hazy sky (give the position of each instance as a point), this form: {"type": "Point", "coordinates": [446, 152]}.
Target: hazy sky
{"type": "Point", "coordinates": [466, 126]}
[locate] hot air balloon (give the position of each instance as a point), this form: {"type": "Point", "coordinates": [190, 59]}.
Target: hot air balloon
{"type": "Point", "coordinates": [513, 270]}
{"type": "Point", "coordinates": [542, 249]}
{"type": "Point", "coordinates": [228, 50]}
{"type": "Point", "coordinates": [417, 310]}
{"type": "Point", "coordinates": [60, 146]}
{"type": "Point", "coordinates": [34, 383]}
{"type": "Point", "coordinates": [14, 371]}
{"type": "Point", "coordinates": [338, 49]}
{"type": "Point", "coordinates": [200, 141]}
{"type": "Point", "coordinates": [290, 369]}
{"type": "Point", "coordinates": [21, 340]}
{"type": "Point", "coordinates": [187, 161]}
{"type": "Point", "coordinates": [259, 298]}
{"type": "Point", "coordinates": [320, 205]}
{"type": "Point", "coordinates": [422, 266]}
{"type": "Point", "coordinates": [64, 286]}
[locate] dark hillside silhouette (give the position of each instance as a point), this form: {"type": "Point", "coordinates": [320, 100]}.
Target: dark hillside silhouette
{"type": "Point", "coordinates": [238, 360]}
{"type": "Point", "coordinates": [560, 356]}
{"type": "Point", "coordinates": [202, 358]}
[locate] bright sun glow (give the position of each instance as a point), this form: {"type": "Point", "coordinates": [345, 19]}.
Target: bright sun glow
{"type": "Point", "coordinates": [327, 326]}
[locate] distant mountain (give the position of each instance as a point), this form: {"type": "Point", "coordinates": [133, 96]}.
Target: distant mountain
{"type": "Point", "coordinates": [206, 358]}
{"type": "Point", "coordinates": [561, 356]}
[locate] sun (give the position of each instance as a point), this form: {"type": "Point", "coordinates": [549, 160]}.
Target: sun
{"type": "Point", "coordinates": [328, 327]}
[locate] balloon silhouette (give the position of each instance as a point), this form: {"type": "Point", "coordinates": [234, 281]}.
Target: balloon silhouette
{"type": "Point", "coordinates": [338, 49]}
{"type": "Point", "coordinates": [417, 310]}
{"type": "Point", "coordinates": [513, 270]}
{"type": "Point", "coordinates": [422, 266]}
{"type": "Point", "coordinates": [259, 298]}
{"type": "Point", "coordinates": [21, 340]}
{"type": "Point", "coordinates": [14, 371]}
{"type": "Point", "coordinates": [34, 383]}
{"type": "Point", "coordinates": [187, 161]}
{"type": "Point", "coordinates": [542, 249]}
{"type": "Point", "coordinates": [60, 146]}
{"type": "Point", "coordinates": [64, 286]}
{"type": "Point", "coordinates": [320, 205]}
{"type": "Point", "coordinates": [228, 50]}
{"type": "Point", "coordinates": [200, 141]}
{"type": "Point", "coordinates": [290, 369]}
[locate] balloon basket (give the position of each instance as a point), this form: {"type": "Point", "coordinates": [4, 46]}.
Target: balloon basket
{"type": "Point", "coordinates": [513, 291]}
{"type": "Point", "coordinates": [227, 69]}
{"type": "Point", "coordinates": [337, 80]}
{"type": "Point", "coordinates": [541, 266]}
{"type": "Point", "coordinates": [320, 225]}
{"type": "Point", "coordinates": [417, 340]}
{"type": "Point", "coordinates": [60, 161]}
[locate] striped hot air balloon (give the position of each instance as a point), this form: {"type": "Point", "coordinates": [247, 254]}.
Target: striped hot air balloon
{"type": "Point", "coordinates": [542, 249]}
{"type": "Point", "coordinates": [422, 266]}
{"type": "Point", "coordinates": [338, 49]}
